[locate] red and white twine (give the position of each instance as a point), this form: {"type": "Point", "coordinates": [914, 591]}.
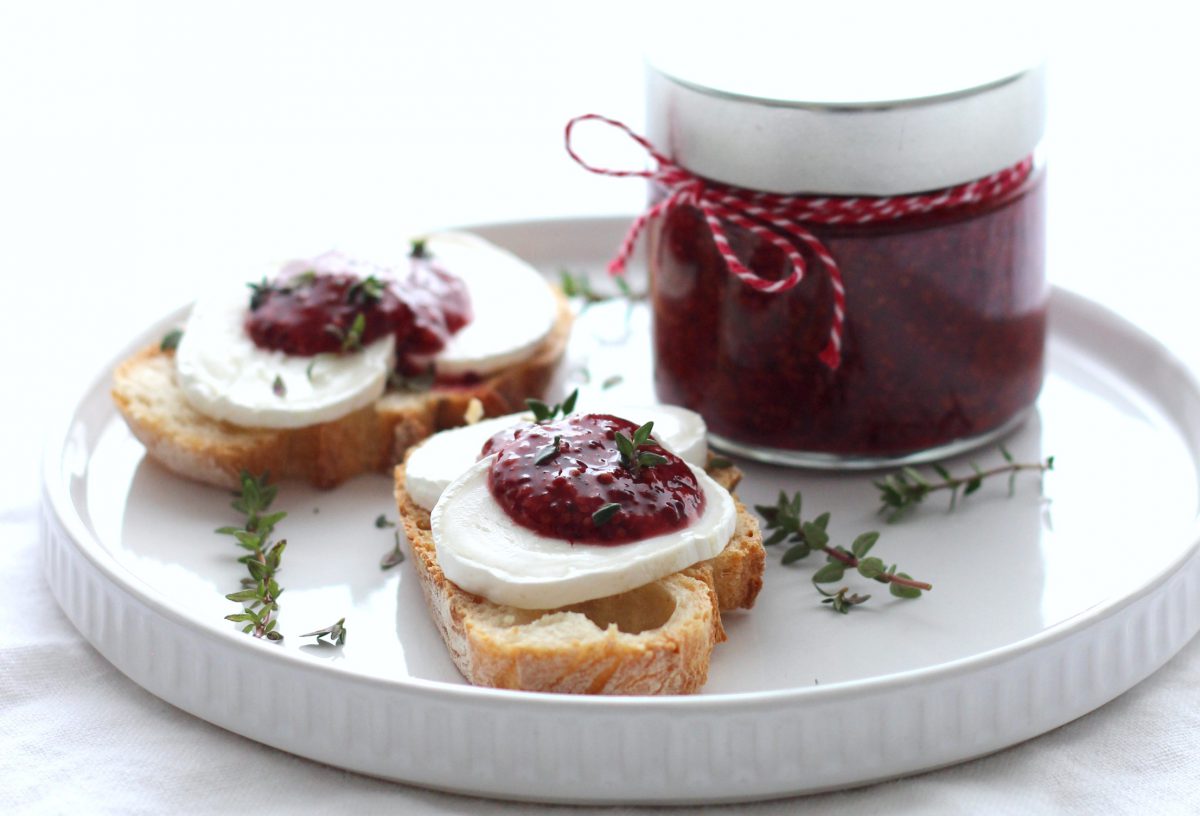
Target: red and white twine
{"type": "Point", "coordinates": [777, 219]}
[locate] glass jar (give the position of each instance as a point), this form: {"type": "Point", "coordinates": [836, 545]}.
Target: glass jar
{"type": "Point", "coordinates": [942, 344]}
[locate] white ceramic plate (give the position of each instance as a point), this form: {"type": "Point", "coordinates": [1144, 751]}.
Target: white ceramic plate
{"type": "Point", "coordinates": [1045, 606]}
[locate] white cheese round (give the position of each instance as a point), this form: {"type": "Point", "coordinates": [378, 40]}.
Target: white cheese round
{"type": "Point", "coordinates": [225, 376]}
{"type": "Point", "coordinates": [513, 307]}
{"type": "Point", "coordinates": [439, 460]}
{"type": "Point", "coordinates": [443, 457]}
{"type": "Point", "coordinates": [481, 549]}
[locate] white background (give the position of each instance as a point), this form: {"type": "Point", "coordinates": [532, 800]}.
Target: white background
{"type": "Point", "coordinates": [145, 148]}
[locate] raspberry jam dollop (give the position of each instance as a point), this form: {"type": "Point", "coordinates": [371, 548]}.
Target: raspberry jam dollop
{"type": "Point", "coordinates": [312, 308]}
{"type": "Point", "coordinates": [558, 497]}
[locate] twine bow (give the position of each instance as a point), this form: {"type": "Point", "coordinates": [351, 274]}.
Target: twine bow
{"type": "Point", "coordinates": [778, 219]}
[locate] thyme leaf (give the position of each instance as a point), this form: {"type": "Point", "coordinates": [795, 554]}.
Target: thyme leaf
{"type": "Point", "coordinates": [548, 452]}
{"type": "Point", "coordinates": [544, 413]}
{"type": "Point", "coordinates": [605, 514]}
{"type": "Point", "coordinates": [170, 340]}
{"type": "Point", "coordinates": [259, 292]}
{"type": "Point", "coordinates": [394, 556]}
{"type": "Point", "coordinates": [368, 290]}
{"type": "Point", "coordinates": [578, 286]}
{"type": "Point", "coordinates": [264, 288]}
{"type": "Point", "coordinates": [632, 457]}
{"type": "Point", "coordinates": [336, 634]}
{"type": "Point", "coordinates": [351, 338]}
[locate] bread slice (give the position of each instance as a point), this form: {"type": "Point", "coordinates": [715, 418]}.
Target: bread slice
{"type": "Point", "coordinates": [370, 439]}
{"type": "Point", "coordinates": [656, 639]}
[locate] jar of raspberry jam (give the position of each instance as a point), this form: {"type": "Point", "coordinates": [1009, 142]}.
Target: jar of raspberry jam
{"type": "Point", "coordinates": [850, 281]}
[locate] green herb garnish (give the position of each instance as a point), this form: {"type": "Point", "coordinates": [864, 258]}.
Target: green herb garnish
{"type": "Point", "coordinates": [368, 290]}
{"type": "Point", "coordinates": [548, 452]}
{"type": "Point", "coordinates": [842, 599]}
{"type": "Point", "coordinates": [544, 413]}
{"type": "Point", "coordinates": [605, 514]}
{"type": "Point", "coordinates": [336, 634]}
{"type": "Point", "coordinates": [394, 556]}
{"type": "Point", "coordinates": [259, 292]}
{"type": "Point", "coordinates": [420, 248]}
{"type": "Point", "coordinates": [170, 340]}
{"type": "Point", "coordinates": [578, 286]}
{"type": "Point", "coordinates": [806, 537]}
{"type": "Point", "coordinates": [633, 458]}
{"type": "Point", "coordinates": [351, 339]}
{"type": "Point", "coordinates": [260, 593]}
{"type": "Point", "coordinates": [905, 489]}
{"type": "Point", "coordinates": [382, 522]}
{"type": "Point", "coordinates": [415, 384]}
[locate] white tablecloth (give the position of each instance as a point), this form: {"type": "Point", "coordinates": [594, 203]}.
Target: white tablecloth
{"type": "Point", "coordinates": [146, 146]}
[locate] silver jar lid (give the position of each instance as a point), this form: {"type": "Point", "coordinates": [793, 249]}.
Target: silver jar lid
{"type": "Point", "coordinates": [821, 106]}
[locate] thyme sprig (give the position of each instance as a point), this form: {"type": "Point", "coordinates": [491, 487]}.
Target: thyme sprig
{"type": "Point", "coordinates": [903, 490]}
{"type": "Point", "coordinates": [579, 286]}
{"type": "Point", "coordinates": [631, 456]}
{"type": "Point", "coordinates": [785, 520]}
{"type": "Point", "coordinates": [368, 290]}
{"type": "Point", "coordinates": [260, 594]}
{"type": "Point", "coordinates": [544, 413]}
{"type": "Point", "coordinates": [259, 291]}
{"type": "Point", "coordinates": [336, 634]}
{"type": "Point", "coordinates": [351, 338]}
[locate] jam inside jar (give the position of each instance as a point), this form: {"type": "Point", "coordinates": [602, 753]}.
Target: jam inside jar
{"type": "Point", "coordinates": [943, 342]}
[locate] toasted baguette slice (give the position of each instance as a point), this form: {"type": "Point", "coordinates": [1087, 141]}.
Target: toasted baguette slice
{"type": "Point", "coordinates": [371, 439]}
{"type": "Point", "coordinates": [656, 639]}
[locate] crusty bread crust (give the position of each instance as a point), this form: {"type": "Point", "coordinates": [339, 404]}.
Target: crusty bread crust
{"type": "Point", "coordinates": [198, 447]}
{"type": "Point", "coordinates": [656, 639]}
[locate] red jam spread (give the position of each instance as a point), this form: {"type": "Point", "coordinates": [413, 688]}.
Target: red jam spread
{"type": "Point", "coordinates": [313, 309]}
{"type": "Point", "coordinates": [559, 497]}
{"type": "Point", "coordinates": [944, 335]}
